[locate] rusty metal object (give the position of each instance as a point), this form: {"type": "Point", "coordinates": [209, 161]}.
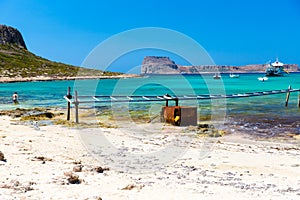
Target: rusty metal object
{"type": "Point", "coordinates": [179, 115]}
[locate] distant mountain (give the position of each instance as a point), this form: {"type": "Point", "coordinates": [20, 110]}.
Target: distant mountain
{"type": "Point", "coordinates": [158, 65]}
{"type": "Point", "coordinates": [17, 62]}
{"type": "Point", "coordinates": [164, 65]}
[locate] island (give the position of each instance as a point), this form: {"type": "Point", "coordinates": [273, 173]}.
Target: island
{"type": "Point", "coordinates": [164, 65]}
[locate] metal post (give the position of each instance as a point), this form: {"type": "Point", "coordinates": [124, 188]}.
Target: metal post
{"type": "Point", "coordinates": [69, 96]}
{"type": "Point", "coordinates": [167, 103]}
{"type": "Point", "coordinates": [76, 107]}
{"type": "Point", "coordinates": [176, 101]}
{"type": "Point", "coordinates": [287, 96]}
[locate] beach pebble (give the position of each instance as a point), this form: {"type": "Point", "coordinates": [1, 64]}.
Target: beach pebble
{"type": "Point", "coordinates": [41, 158]}
{"type": "Point", "coordinates": [18, 186]}
{"type": "Point", "coordinates": [129, 187]}
{"type": "Point", "coordinates": [77, 162]}
{"type": "Point", "coordinates": [132, 186]}
{"type": "Point", "coordinates": [100, 169]}
{"type": "Point", "coordinates": [72, 178]}
{"type": "Point", "coordinates": [2, 157]}
{"type": "Point", "coordinates": [295, 165]}
{"type": "Point", "coordinates": [77, 168]}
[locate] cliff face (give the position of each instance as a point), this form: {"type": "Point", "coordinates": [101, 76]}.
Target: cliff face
{"type": "Point", "coordinates": [158, 65]}
{"type": "Point", "coordinates": [163, 65]}
{"type": "Point", "coordinates": [10, 35]}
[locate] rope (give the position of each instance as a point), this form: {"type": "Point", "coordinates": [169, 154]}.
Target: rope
{"type": "Point", "coordinates": [133, 98]}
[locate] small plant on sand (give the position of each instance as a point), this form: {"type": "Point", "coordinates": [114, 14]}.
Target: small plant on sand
{"type": "Point", "coordinates": [65, 123]}
{"type": "Point", "coordinates": [209, 130]}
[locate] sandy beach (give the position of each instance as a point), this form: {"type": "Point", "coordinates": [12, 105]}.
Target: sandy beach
{"type": "Point", "coordinates": [53, 162]}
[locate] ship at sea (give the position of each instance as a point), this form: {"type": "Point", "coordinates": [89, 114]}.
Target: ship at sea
{"type": "Point", "coordinates": [276, 69]}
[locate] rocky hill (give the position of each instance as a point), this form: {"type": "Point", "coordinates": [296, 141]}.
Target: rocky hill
{"type": "Point", "coordinates": [17, 63]}
{"type": "Point", "coordinates": [10, 35]}
{"type": "Point", "coordinates": [158, 65]}
{"type": "Point", "coordinates": [163, 65]}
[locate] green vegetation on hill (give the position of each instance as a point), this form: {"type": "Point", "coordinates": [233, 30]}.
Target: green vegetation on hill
{"type": "Point", "coordinates": [18, 62]}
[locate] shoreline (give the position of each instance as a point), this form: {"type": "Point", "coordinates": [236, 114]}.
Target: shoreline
{"type": "Point", "coordinates": [287, 130]}
{"type": "Point", "coordinates": [42, 78]}
{"type": "Point", "coordinates": [39, 161]}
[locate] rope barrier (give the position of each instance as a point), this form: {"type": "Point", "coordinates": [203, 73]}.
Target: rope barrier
{"type": "Point", "coordinates": [148, 98]}
{"type": "Point", "coordinates": [137, 98]}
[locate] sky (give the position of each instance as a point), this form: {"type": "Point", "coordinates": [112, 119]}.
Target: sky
{"type": "Point", "coordinates": [233, 32]}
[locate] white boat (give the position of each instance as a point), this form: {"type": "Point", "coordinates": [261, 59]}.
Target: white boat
{"type": "Point", "coordinates": [217, 76]}
{"type": "Point", "coordinates": [234, 75]}
{"type": "Point", "coordinates": [276, 69]}
{"type": "Point", "coordinates": [262, 78]}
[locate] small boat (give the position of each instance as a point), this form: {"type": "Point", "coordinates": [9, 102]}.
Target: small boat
{"type": "Point", "coordinates": [276, 69]}
{"type": "Point", "coordinates": [217, 76]}
{"type": "Point", "coordinates": [262, 78]}
{"type": "Point", "coordinates": [231, 75]}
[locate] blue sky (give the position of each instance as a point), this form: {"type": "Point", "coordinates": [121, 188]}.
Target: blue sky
{"type": "Point", "coordinates": [233, 32]}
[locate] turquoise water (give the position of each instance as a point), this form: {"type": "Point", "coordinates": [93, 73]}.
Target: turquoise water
{"type": "Point", "coordinates": [266, 110]}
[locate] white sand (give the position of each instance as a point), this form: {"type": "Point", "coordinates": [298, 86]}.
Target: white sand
{"type": "Point", "coordinates": [235, 168]}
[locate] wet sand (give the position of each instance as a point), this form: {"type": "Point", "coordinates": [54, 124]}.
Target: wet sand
{"type": "Point", "coordinates": [52, 162]}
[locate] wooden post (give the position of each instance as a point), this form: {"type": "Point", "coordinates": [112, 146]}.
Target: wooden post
{"type": "Point", "coordinates": [287, 97]}
{"type": "Point", "coordinates": [76, 107]}
{"type": "Point", "coordinates": [69, 96]}
{"type": "Point", "coordinates": [167, 103]}
{"type": "Point", "coordinates": [299, 99]}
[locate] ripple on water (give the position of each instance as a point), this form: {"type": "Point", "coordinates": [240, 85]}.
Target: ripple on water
{"type": "Point", "coordinates": [265, 126]}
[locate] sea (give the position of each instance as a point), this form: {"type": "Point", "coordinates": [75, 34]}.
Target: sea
{"type": "Point", "coordinates": [264, 116]}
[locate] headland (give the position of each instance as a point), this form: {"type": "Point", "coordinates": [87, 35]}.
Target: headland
{"type": "Point", "coordinates": [164, 65]}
